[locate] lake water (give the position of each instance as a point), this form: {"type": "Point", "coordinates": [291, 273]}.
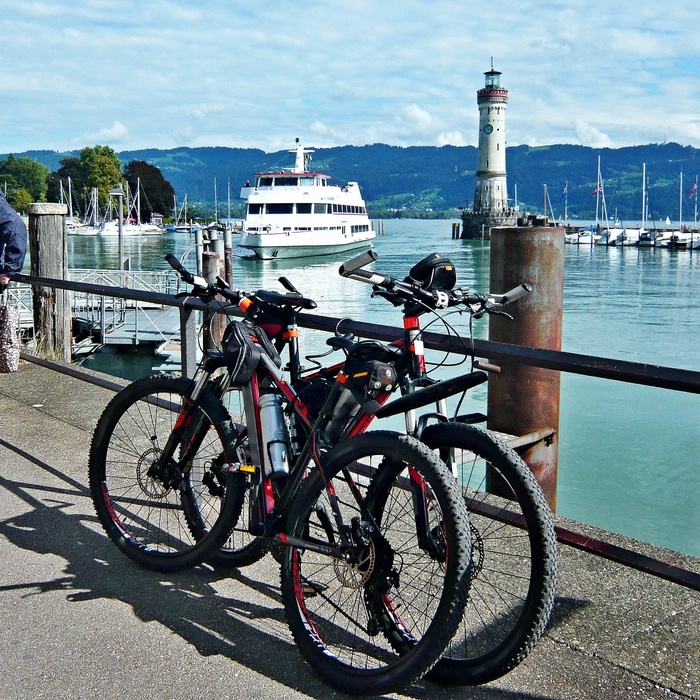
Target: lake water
{"type": "Point", "coordinates": [629, 455]}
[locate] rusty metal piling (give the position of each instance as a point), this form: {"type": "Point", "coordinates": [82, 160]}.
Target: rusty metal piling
{"type": "Point", "coordinates": [522, 399]}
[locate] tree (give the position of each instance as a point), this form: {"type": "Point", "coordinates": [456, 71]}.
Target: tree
{"type": "Point", "coordinates": [23, 199]}
{"type": "Point", "coordinates": [100, 167]}
{"type": "Point", "coordinates": [24, 173]}
{"type": "Point", "coordinates": [97, 166]}
{"type": "Point", "coordinates": [156, 192]}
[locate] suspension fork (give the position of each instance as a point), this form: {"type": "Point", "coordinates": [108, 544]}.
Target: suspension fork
{"type": "Point", "coordinates": [166, 468]}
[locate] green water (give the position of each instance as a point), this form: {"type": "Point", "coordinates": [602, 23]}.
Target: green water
{"type": "Point", "coordinates": [628, 457]}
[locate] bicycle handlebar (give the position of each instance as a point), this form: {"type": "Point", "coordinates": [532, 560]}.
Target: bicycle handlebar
{"type": "Point", "coordinates": [236, 296]}
{"type": "Point", "coordinates": [410, 291]}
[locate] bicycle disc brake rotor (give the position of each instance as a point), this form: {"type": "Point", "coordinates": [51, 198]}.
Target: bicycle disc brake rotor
{"type": "Point", "coordinates": [149, 485]}
{"type": "Point", "coordinates": [356, 574]}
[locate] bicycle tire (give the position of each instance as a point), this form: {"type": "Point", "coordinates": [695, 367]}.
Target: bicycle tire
{"type": "Point", "coordinates": [165, 528]}
{"type": "Point", "coordinates": [376, 626]}
{"type": "Point", "coordinates": [514, 567]}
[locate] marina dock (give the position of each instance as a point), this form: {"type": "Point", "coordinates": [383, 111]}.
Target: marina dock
{"type": "Point", "coordinates": [83, 621]}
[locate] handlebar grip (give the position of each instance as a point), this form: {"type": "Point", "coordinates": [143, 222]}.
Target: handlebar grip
{"type": "Point", "coordinates": [514, 294]}
{"type": "Point", "coordinates": [177, 266]}
{"type": "Point", "coordinates": [186, 275]}
{"type": "Point", "coordinates": [357, 262]}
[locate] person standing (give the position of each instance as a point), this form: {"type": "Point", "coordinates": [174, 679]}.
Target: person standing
{"type": "Point", "coordinates": [13, 242]}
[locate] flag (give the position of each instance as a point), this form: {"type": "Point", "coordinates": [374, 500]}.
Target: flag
{"type": "Point", "coordinates": [566, 187]}
{"type": "Point", "coordinates": [693, 191]}
{"type": "Point", "coordinates": [596, 190]}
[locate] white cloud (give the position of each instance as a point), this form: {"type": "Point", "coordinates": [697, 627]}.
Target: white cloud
{"type": "Point", "coordinates": [591, 136]}
{"type": "Point", "coordinates": [115, 134]}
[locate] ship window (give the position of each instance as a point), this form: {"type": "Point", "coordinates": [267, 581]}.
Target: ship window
{"type": "Point", "coordinates": [255, 208]}
{"type": "Point", "coordinates": [265, 182]}
{"type": "Point", "coordinates": [286, 181]}
{"type": "Point", "coordinates": [320, 208]}
{"type": "Point", "coordinates": [283, 208]}
{"type": "Point", "coordinates": [306, 181]}
{"type": "Point", "coordinates": [304, 208]}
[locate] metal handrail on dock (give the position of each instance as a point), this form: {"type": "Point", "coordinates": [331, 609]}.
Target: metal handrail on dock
{"type": "Point", "coordinates": [672, 378]}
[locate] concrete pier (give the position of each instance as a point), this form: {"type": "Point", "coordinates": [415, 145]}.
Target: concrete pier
{"type": "Point", "coordinates": [80, 620]}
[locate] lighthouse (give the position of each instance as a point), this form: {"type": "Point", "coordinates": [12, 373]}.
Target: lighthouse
{"type": "Point", "coordinates": [491, 194]}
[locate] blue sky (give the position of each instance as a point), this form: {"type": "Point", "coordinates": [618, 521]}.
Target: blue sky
{"type": "Point", "coordinates": [136, 74]}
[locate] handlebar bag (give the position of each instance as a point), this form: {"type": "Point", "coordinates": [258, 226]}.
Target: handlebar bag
{"type": "Point", "coordinates": [434, 272]}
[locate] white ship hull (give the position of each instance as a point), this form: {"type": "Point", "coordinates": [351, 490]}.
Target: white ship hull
{"type": "Point", "coordinates": [276, 246]}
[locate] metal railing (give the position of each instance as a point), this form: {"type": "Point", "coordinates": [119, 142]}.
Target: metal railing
{"type": "Point", "coordinates": [604, 368]}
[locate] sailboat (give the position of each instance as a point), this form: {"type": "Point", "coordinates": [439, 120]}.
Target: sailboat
{"type": "Point", "coordinates": [131, 227]}
{"type": "Point", "coordinates": [680, 239]}
{"type": "Point", "coordinates": [90, 226]}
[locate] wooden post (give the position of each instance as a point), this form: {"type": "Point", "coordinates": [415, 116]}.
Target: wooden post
{"type": "Point", "coordinates": [522, 399]}
{"type": "Point", "coordinates": [49, 258]}
{"type": "Point", "coordinates": [214, 331]}
{"type": "Point", "coordinates": [228, 255]}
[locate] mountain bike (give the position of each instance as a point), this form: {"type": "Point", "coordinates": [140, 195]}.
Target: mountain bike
{"type": "Point", "coordinates": [514, 553]}
{"type": "Point", "coordinates": [375, 532]}
{"type": "Point", "coordinates": [514, 567]}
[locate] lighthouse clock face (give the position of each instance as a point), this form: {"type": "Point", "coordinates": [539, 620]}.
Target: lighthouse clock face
{"type": "Point", "coordinates": [488, 129]}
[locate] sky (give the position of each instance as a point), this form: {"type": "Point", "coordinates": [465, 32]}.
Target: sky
{"type": "Point", "coordinates": [134, 74]}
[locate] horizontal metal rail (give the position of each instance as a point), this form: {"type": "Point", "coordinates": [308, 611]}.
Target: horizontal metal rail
{"type": "Point", "coordinates": [672, 378]}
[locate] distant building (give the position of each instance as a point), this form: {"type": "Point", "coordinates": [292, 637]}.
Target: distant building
{"type": "Point", "coordinates": [491, 194]}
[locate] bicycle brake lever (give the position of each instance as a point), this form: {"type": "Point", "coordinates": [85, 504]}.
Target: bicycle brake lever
{"type": "Point", "coordinates": [498, 312]}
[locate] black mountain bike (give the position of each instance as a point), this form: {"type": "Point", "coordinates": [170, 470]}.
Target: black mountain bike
{"type": "Point", "coordinates": [375, 532]}
{"type": "Point", "coordinates": [514, 550]}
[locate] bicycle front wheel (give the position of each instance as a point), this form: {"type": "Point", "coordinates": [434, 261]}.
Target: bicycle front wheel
{"type": "Point", "coordinates": [514, 556]}
{"type": "Point", "coordinates": [374, 611]}
{"type": "Point", "coordinates": [165, 522]}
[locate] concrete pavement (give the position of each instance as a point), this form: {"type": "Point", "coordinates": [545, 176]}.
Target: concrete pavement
{"type": "Point", "coordinates": [80, 620]}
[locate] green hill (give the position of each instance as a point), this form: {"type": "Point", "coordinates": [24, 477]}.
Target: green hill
{"type": "Point", "coordinates": [428, 181]}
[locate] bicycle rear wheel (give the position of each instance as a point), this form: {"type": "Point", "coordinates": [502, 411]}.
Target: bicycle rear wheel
{"type": "Point", "coordinates": [514, 556]}
{"type": "Point", "coordinates": [165, 522]}
{"type": "Point", "coordinates": [378, 618]}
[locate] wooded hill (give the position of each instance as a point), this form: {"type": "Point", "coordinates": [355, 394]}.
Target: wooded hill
{"type": "Point", "coordinates": [427, 181]}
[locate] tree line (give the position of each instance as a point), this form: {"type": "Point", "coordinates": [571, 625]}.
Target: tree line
{"type": "Point", "coordinates": [25, 180]}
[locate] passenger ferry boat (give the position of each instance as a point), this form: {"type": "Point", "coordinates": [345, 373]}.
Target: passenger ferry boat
{"type": "Point", "coordinates": [295, 212]}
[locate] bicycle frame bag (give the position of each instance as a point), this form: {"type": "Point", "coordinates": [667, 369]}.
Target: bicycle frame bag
{"type": "Point", "coordinates": [367, 379]}
{"type": "Point", "coordinates": [242, 346]}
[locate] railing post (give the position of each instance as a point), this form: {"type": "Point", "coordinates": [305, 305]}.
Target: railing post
{"type": "Point", "coordinates": [49, 258]}
{"type": "Point", "coordinates": [199, 249]}
{"type": "Point", "coordinates": [525, 399]}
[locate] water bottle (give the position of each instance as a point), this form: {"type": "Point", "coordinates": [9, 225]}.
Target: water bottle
{"type": "Point", "coordinates": [275, 436]}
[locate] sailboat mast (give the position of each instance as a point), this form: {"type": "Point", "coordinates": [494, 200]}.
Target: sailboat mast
{"type": "Point", "coordinates": [680, 202]}
{"type": "Point", "coordinates": [644, 194]}
{"type": "Point", "coordinates": [597, 194]}
{"type": "Point", "coordinates": [216, 204]}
